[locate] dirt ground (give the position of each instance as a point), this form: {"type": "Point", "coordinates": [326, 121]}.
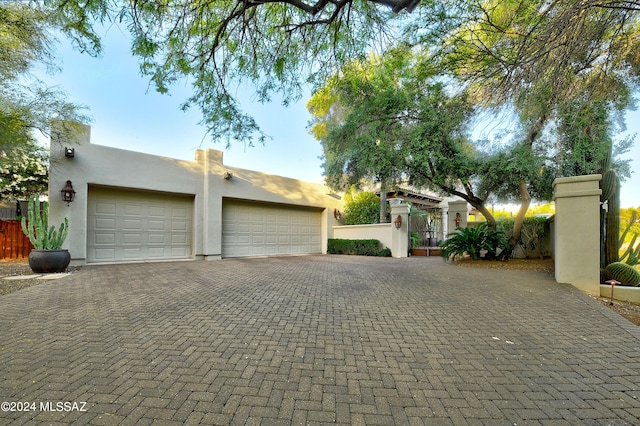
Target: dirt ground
{"type": "Point", "coordinates": [630, 311]}
{"type": "Point", "coordinates": [15, 268]}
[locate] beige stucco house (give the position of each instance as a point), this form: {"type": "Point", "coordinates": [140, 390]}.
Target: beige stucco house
{"type": "Point", "coordinates": [131, 206]}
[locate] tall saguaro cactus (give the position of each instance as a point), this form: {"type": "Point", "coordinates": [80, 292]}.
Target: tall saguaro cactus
{"type": "Point", "coordinates": [610, 190]}
{"type": "Point", "coordinates": [609, 218]}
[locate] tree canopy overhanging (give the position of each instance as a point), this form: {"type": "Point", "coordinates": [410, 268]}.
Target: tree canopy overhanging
{"type": "Point", "coordinates": [535, 56]}
{"type": "Point", "coordinates": [27, 106]}
{"type": "Point", "coordinates": [504, 50]}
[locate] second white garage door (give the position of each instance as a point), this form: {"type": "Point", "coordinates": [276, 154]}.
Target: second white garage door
{"type": "Point", "coordinates": [250, 229]}
{"type": "Point", "coordinates": [125, 225]}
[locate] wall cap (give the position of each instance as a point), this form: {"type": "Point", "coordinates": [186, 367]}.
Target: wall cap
{"type": "Point", "coordinates": [576, 179]}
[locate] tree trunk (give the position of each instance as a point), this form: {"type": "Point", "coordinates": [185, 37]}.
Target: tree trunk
{"type": "Point", "coordinates": [383, 203]}
{"type": "Point", "coordinates": [519, 220]}
{"type": "Point", "coordinates": [486, 213]}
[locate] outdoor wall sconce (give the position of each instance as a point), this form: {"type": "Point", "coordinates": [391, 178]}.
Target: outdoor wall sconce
{"type": "Point", "coordinates": [69, 152]}
{"type": "Point", "coordinates": [458, 219]}
{"type": "Point", "coordinates": [336, 214]}
{"type": "Point", "coordinates": [398, 222]}
{"type": "Point", "coordinates": [227, 175]}
{"type": "Point", "coordinates": [68, 194]}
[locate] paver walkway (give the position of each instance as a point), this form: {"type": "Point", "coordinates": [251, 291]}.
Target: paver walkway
{"type": "Point", "coordinates": [314, 340]}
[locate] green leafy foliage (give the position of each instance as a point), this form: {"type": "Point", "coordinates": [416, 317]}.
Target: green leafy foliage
{"type": "Point", "coordinates": [276, 48]}
{"type": "Point", "coordinates": [482, 241]}
{"type": "Point", "coordinates": [36, 227]}
{"type": "Point", "coordinates": [625, 274]}
{"type": "Point", "coordinates": [356, 247]}
{"type": "Point", "coordinates": [24, 171]}
{"type": "Point", "coordinates": [415, 239]}
{"type": "Point", "coordinates": [26, 103]}
{"type": "Point", "coordinates": [361, 208]}
{"type": "Point", "coordinates": [389, 119]}
{"type": "Point", "coordinates": [532, 238]}
{"type": "Point", "coordinates": [629, 249]}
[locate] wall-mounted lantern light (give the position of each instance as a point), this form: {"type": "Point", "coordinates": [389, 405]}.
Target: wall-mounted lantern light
{"type": "Point", "coordinates": [228, 175]}
{"type": "Point", "coordinates": [398, 222]}
{"type": "Point", "coordinates": [68, 194]}
{"type": "Point", "coordinates": [337, 215]}
{"type": "Point", "coordinates": [69, 152]}
{"type": "Point", "coordinates": [458, 219]}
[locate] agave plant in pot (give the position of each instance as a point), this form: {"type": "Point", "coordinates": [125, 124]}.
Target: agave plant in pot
{"type": "Point", "coordinates": [47, 255]}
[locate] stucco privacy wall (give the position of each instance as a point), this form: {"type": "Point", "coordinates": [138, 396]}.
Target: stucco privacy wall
{"type": "Point", "coordinates": [375, 231]}
{"type": "Point", "coordinates": [202, 179]}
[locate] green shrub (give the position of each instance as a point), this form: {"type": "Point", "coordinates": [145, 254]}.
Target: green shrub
{"type": "Point", "coordinates": [415, 239]}
{"type": "Point", "coordinates": [626, 274]}
{"type": "Point", "coordinates": [356, 247]}
{"type": "Point", "coordinates": [385, 252]}
{"type": "Point", "coordinates": [362, 208]}
{"type": "Point", "coordinates": [475, 241]}
{"type": "Point", "coordinates": [534, 232]}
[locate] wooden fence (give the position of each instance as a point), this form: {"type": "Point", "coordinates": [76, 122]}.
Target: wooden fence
{"type": "Point", "coordinates": [13, 243]}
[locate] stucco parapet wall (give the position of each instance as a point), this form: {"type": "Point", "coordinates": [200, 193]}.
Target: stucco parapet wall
{"type": "Point", "coordinates": [371, 225]}
{"type": "Point", "coordinates": [458, 205]}
{"type": "Point", "coordinates": [577, 186]}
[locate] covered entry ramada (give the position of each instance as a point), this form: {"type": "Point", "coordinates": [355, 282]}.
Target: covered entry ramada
{"type": "Point", "coordinates": [131, 206]}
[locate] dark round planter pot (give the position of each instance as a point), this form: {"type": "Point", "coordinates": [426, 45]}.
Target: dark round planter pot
{"type": "Point", "coordinates": [49, 261]}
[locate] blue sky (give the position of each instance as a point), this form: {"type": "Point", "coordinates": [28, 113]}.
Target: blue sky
{"type": "Point", "coordinates": [129, 114]}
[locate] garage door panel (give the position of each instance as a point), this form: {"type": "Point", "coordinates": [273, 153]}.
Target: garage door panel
{"type": "Point", "coordinates": [156, 211]}
{"type": "Point", "coordinates": [105, 223]}
{"type": "Point", "coordinates": [131, 238]}
{"type": "Point", "coordinates": [132, 209]}
{"type": "Point", "coordinates": [105, 208]}
{"type": "Point", "coordinates": [179, 226]}
{"type": "Point", "coordinates": [104, 254]}
{"type": "Point", "coordinates": [179, 239]}
{"type": "Point", "coordinates": [132, 253]}
{"type": "Point", "coordinates": [251, 229]}
{"type": "Point", "coordinates": [131, 225]}
{"type": "Point", "coordinates": [155, 225]}
{"type": "Point", "coordinates": [100, 238]}
{"type": "Point", "coordinates": [179, 252]}
{"type": "Point", "coordinates": [157, 239]}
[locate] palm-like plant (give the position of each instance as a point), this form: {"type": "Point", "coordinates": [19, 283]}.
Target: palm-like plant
{"type": "Point", "coordinates": [483, 241]}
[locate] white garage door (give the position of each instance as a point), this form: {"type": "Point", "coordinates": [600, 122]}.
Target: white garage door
{"type": "Point", "coordinates": [136, 225]}
{"type": "Point", "coordinates": [250, 229]}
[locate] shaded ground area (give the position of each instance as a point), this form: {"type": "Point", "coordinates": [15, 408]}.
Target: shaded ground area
{"type": "Point", "coordinates": [344, 340]}
{"type": "Point", "coordinates": [630, 311]}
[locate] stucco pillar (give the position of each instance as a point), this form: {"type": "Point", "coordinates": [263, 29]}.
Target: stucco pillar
{"type": "Point", "coordinates": [212, 205]}
{"type": "Point", "coordinates": [577, 232]}
{"type": "Point", "coordinates": [77, 136]}
{"type": "Point", "coordinates": [457, 208]}
{"type": "Point", "coordinates": [400, 237]}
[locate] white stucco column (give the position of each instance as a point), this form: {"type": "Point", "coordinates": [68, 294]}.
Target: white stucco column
{"type": "Point", "coordinates": [457, 208]}
{"type": "Point", "coordinates": [400, 237]}
{"type": "Point", "coordinates": [577, 232]}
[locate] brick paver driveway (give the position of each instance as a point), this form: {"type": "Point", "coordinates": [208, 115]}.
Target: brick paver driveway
{"type": "Point", "coordinates": [312, 340]}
